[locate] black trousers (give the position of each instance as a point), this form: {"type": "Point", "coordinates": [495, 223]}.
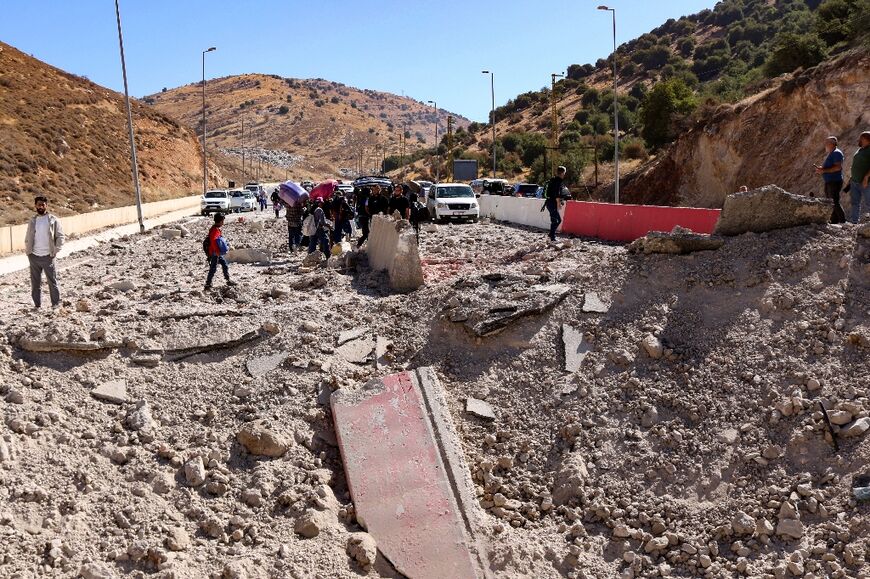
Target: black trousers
{"type": "Point", "coordinates": [832, 191]}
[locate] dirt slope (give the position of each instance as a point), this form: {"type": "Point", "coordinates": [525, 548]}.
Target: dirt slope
{"type": "Point", "coordinates": [773, 137]}
{"type": "Point", "coordinates": [688, 443]}
{"type": "Point", "coordinates": [65, 136]}
{"type": "Point", "coordinates": [326, 123]}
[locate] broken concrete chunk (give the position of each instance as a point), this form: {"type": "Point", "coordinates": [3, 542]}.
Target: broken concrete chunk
{"type": "Point", "coordinates": [114, 392]}
{"type": "Point", "coordinates": [123, 286]}
{"type": "Point", "coordinates": [170, 233]}
{"type": "Point", "coordinates": [768, 208]}
{"type": "Point", "coordinates": [857, 428]}
{"type": "Point", "coordinates": [405, 470]}
{"type": "Point", "coordinates": [575, 346]}
{"type": "Point", "coordinates": [361, 547]}
{"type": "Point", "coordinates": [592, 303]}
{"type": "Point", "coordinates": [356, 351]}
{"type": "Point", "coordinates": [479, 408]}
{"type": "Point", "coordinates": [652, 346]}
{"type": "Point", "coordinates": [259, 439]}
{"type": "Point", "coordinates": [678, 241]}
{"type": "Point", "coordinates": [261, 366]}
{"type": "Point", "coordinates": [392, 247]}
{"type": "Point", "coordinates": [791, 528]}
{"type": "Point", "coordinates": [382, 352]}
{"type": "Point", "coordinates": [349, 335]}
{"type": "Point", "coordinates": [570, 478]}
{"type": "Point", "coordinates": [249, 255]}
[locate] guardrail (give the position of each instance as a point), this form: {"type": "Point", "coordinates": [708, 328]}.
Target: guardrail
{"type": "Point", "coordinates": [605, 221]}
{"type": "Point", "coordinates": [12, 236]}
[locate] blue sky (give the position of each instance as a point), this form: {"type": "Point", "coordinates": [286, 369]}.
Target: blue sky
{"type": "Point", "coordinates": [423, 49]}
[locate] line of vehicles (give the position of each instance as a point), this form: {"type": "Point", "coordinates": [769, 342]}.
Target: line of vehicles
{"type": "Point", "coordinates": [443, 201]}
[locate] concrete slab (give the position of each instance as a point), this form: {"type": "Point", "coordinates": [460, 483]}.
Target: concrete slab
{"type": "Point", "coordinates": [114, 392]}
{"type": "Point", "coordinates": [479, 408]}
{"type": "Point", "coordinates": [592, 303]}
{"type": "Point", "coordinates": [350, 335]}
{"type": "Point", "coordinates": [576, 348]}
{"type": "Point", "coordinates": [261, 366]}
{"type": "Point", "coordinates": [356, 351]}
{"type": "Point", "coordinates": [382, 347]}
{"type": "Point", "coordinates": [405, 469]}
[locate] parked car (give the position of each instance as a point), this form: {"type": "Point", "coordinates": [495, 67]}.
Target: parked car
{"type": "Point", "coordinates": [525, 189]}
{"type": "Point", "coordinates": [255, 188]}
{"type": "Point", "coordinates": [216, 200]}
{"type": "Point", "coordinates": [452, 201]}
{"type": "Point", "coordinates": [424, 188]}
{"type": "Point", "coordinates": [242, 200]}
{"type": "Point", "coordinates": [491, 187]}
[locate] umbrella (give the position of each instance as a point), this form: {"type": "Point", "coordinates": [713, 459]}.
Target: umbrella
{"type": "Point", "coordinates": [324, 190]}
{"type": "Point", "coordinates": [291, 192]}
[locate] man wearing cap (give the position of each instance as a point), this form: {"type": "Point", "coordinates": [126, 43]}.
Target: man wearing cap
{"type": "Point", "coordinates": [831, 171]}
{"type": "Point", "coordinates": [859, 186]}
{"type": "Point", "coordinates": [553, 196]}
{"type": "Point", "coordinates": [42, 241]}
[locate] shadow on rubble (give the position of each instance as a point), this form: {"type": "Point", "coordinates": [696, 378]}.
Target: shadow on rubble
{"type": "Point", "coordinates": [61, 361]}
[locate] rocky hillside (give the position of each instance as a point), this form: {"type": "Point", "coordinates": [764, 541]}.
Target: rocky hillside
{"type": "Point", "coordinates": [66, 137]}
{"type": "Point", "coordinates": [773, 137]}
{"type": "Point", "coordinates": [325, 125]}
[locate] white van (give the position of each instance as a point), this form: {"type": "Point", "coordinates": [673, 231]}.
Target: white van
{"type": "Point", "coordinates": [216, 200]}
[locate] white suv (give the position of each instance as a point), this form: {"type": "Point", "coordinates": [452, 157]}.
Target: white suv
{"type": "Point", "coordinates": [216, 200]}
{"type": "Point", "coordinates": [452, 201]}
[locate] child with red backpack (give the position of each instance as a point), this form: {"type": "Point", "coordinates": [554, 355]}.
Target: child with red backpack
{"type": "Point", "coordinates": [216, 247]}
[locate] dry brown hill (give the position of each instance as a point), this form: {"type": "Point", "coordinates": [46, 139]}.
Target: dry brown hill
{"type": "Point", "coordinates": [326, 124]}
{"type": "Point", "coordinates": [66, 137]}
{"type": "Point", "coordinates": [773, 137]}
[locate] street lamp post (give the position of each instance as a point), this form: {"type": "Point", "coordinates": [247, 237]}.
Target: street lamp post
{"type": "Point", "coordinates": [492, 115]}
{"type": "Point", "coordinates": [437, 159]}
{"type": "Point", "coordinates": [204, 155]}
{"type": "Point", "coordinates": [615, 109]}
{"type": "Point", "coordinates": [134, 164]}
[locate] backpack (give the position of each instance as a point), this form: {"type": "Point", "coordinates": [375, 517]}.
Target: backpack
{"type": "Point", "coordinates": [206, 245]}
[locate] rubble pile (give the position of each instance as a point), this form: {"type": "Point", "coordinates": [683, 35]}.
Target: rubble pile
{"type": "Point", "coordinates": [621, 414]}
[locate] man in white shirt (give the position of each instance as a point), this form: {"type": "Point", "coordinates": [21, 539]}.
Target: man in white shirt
{"type": "Point", "coordinates": [43, 240]}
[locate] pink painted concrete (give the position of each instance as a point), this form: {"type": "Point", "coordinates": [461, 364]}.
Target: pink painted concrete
{"type": "Point", "coordinates": [398, 480]}
{"type": "Point", "coordinates": [629, 222]}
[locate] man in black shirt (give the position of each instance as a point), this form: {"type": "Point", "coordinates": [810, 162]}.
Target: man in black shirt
{"type": "Point", "coordinates": [553, 196]}
{"type": "Point", "coordinates": [362, 201]}
{"type": "Point", "coordinates": [399, 202]}
{"type": "Point", "coordinates": [378, 203]}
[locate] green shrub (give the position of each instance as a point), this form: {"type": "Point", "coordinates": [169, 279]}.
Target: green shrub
{"type": "Point", "coordinates": [793, 51]}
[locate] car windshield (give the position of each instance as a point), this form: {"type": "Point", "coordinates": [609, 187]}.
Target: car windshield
{"type": "Point", "coordinates": [527, 188]}
{"type": "Point", "coordinates": [216, 195]}
{"type": "Point", "coordinates": [237, 193]}
{"type": "Point", "coordinates": [454, 192]}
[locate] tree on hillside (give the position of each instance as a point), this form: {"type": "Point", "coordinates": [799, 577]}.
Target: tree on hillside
{"type": "Point", "coordinates": [665, 104]}
{"type": "Point", "coordinates": [793, 51]}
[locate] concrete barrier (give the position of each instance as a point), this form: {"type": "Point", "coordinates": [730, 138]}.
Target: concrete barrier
{"type": "Point", "coordinates": [12, 236]}
{"type": "Point", "coordinates": [600, 220]}
{"type": "Point", "coordinates": [392, 247]}
{"type": "Point", "coordinates": [519, 210]}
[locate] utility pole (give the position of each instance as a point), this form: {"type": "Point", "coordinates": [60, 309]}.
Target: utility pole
{"type": "Point", "coordinates": [492, 115]}
{"type": "Point", "coordinates": [554, 137]}
{"type": "Point", "coordinates": [437, 159]}
{"type": "Point", "coordinates": [204, 150]}
{"type": "Point", "coordinates": [450, 148]}
{"type": "Point", "coordinates": [615, 112]}
{"type": "Point", "coordinates": [244, 176]}
{"type": "Point", "coordinates": [134, 164]}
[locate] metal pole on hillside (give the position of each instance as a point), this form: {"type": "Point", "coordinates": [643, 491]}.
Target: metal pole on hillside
{"type": "Point", "coordinates": [492, 115]}
{"type": "Point", "coordinates": [437, 159]}
{"type": "Point", "coordinates": [204, 154]}
{"type": "Point", "coordinates": [615, 111]}
{"type": "Point", "coordinates": [134, 164]}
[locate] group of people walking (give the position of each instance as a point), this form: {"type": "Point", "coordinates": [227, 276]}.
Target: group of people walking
{"type": "Point", "coordinates": [333, 220]}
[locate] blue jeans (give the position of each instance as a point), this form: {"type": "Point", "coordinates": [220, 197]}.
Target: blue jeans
{"type": "Point", "coordinates": [294, 237]}
{"type": "Point", "coordinates": [555, 218]}
{"type": "Point", "coordinates": [858, 195]}
{"type": "Point", "coordinates": [213, 261]}
{"type": "Point", "coordinates": [319, 238]}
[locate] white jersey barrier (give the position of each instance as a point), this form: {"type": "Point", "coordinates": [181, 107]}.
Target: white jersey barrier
{"type": "Point", "coordinates": [520, 210]}
{"type": "Point", "coordinates": [12, 236]}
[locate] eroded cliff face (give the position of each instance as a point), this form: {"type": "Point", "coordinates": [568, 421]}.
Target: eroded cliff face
{"type": "Point", "coordinates": [774, 137]}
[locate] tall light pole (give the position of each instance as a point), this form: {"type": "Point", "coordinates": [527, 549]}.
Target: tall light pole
{"type": "Point", "coordinates": [554, 136]}
{"type": "Point", "coordinates": [437, 159]}
{"type": "Point", "coordinates": [133, 163]}
{"type": "Point", "coordinates": [492, 115]}
{"type": "Point", "coordinates": [615, 110]}
{"type": "Point", "coordinates": [204, 156]}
